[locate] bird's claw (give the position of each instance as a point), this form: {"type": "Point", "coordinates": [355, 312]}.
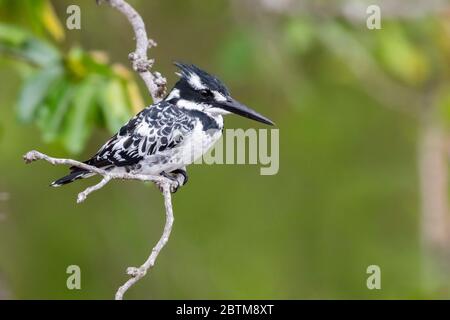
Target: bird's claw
{"type": "Point", "coordinates": [177, 180]}
{"type": "Point", "coordinates": [173, 187]}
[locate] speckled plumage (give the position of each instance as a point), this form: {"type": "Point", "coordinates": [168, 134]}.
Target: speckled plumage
{"type": "Point", "coordinates": [152, 137]}
{"type": "Point", "coordinates": [162, 137]}
{"type": "Point", "coordinates": [167, 136]}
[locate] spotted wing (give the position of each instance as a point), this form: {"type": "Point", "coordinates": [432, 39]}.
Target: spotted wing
{"type": "Point", "coordinates": [155, 129]}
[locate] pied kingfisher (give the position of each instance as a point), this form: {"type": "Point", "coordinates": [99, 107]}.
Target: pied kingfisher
{"type": "Point", "coordinates": [166, 136]}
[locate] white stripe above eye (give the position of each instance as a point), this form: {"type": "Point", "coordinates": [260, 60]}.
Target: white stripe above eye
{"type": "Point", "coordinates": [195, 82]}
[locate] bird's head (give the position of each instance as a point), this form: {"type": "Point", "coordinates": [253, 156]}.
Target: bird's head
{"type": "Point", "coordinates": [198, 90]}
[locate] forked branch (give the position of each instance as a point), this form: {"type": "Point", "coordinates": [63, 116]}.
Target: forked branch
{"type": "Point", "coordinates": [165, 184]}
{"type": "Point", "coordinates": [156, 85]}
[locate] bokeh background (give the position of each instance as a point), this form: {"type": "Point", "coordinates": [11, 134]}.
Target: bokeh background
{"type": "Point", "coordinates": [364, 143]}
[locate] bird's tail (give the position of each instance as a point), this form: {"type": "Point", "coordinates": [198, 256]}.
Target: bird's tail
{"type": "Point", "coordinates": [74, 175]}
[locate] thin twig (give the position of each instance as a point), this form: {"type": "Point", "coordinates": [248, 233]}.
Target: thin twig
{"type": "Point", "coordinates": [137, 273]}
{"type": "Point", "coordinates": [156, 85]}
{"type": "Point", "coordinates": [83, 195]}
{"type": "Point", "coordinates": [36, 155]}
{"type": "Point", "coordinates": [164, 183]}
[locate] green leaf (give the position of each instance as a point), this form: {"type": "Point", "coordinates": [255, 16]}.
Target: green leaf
{"type": "Point", "coordinates": [114, 104]}
{"type": "Point", "coordinates": [40, 52]}
{"type": "Point", "coordinates": [56, 121]}
{"type": "Point", "coordinates": [57, 106]}
{"type": "Point", "coordinates": [31, 12]}
{"type": "Point", "coordinates": [35, 90]}
{"type": "Point", "coordinates": [12, 35]}
{"type": "Point", "coordinates": [43, 113]}
{"type": "Point", "coordinates": [51, 22]}
{"type": "Point", "coordinates": [19, 42]}
{"type": "Point", "coordinates": [401, 57]}
{"type": "Point", "coordinates": [80, 118]}
{"type": "Point", "coordinates": [135, 99]}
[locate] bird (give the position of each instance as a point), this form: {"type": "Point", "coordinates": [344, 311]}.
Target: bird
{"type": "Point", "coordinates": [166, 136]}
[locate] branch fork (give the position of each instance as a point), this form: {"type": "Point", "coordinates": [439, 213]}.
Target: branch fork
{"type": "Point", "coordinates": [165, 184]}
{"type": "Point", "coordinates": [156, 85]}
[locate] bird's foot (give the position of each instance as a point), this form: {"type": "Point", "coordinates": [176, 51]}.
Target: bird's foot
{"type": "Point", "coordinates": [181, 176]}
{"type": "Point", "coordinates": [178, 178]}
{"type": "Point", "coordinates": [173, 186]}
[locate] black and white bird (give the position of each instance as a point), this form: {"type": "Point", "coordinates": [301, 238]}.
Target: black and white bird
{"type": "Point", "coordinates": [167, 136]}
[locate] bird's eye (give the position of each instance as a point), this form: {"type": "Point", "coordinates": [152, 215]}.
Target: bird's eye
{"type": "Point", "coordinates": [206, 93]}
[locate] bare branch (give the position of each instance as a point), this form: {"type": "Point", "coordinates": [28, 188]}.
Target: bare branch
{"type": "Point", "coordinates": [36, 155]}
{"type": "Point", "coordinates": [137, 273]}
{"type": "Point", "coordinates": [155, 82]}
{"type": "Point", "coordinates": [164, 183]}
{"type": "Point", "coordinates": [156, 85]}
{"type": "Point", "coordinates": [83, 195]}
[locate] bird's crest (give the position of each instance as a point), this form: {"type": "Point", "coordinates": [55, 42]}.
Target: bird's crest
{"type": "Point", "coordinates": [200, 79]}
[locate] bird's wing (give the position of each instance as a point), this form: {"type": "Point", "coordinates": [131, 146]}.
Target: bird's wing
{"type": "Point", "coordinates": [157, 128]}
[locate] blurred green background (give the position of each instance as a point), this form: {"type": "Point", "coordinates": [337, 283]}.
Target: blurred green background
{"type": "Point", "coordinates": [363, 118]}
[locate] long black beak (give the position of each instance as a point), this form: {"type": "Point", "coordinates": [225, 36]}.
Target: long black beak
{"type": "Point", "coordinates": [236, 107]}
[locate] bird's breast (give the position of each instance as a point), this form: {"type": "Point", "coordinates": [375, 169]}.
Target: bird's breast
{"type": "Point", "coordinates": [201, 141]}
